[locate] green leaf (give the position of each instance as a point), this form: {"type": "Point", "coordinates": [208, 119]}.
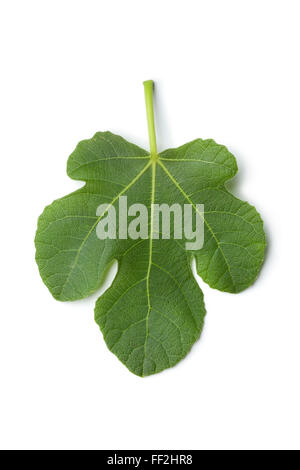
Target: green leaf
{"type": "Point", "coordinates": [153, 312]}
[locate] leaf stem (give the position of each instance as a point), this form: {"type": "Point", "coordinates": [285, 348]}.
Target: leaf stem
{"type": "Point", "coordinates": [148, 87]}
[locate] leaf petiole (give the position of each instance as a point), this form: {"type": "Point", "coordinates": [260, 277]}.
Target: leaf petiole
{"type": "Point", "coordinates": [148, 87]}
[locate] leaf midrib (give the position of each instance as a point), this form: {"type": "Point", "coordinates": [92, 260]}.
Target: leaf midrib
{"type": "Point", "coordinates": [153, 180]}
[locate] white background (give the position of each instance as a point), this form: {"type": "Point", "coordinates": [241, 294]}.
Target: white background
{"type": "Point", "coordinates": [227, 70]}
